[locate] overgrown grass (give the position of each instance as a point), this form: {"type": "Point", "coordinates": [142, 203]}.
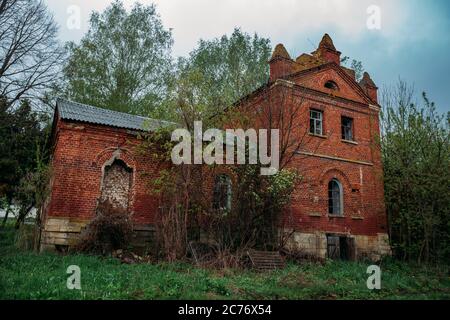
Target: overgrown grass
{"type": "Point", "coordinates": [26, 275]}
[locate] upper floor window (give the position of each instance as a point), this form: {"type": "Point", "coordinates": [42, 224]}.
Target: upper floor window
{"type": "Point", "coordinates": [331, 85]}
{"type": "Point", "coordinates": [222, 192]}
{"type": "Point", "coordinates": [347, 128]}
{"type": "Point", "coordinates": [335, 198]}
{"type": "Point", "coordinates": [316, 122]}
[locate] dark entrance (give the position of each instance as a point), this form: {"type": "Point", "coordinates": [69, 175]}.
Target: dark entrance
{"type": "Point", "coordinates": [340, 247]}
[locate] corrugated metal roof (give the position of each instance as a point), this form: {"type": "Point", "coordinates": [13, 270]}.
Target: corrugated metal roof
{"type": "Point", "coordinates": [69, 110]}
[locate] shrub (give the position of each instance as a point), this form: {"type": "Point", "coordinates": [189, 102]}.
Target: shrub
{"type": "Point", "coordinates": [24, 239]}
{"type": "Point", "coordinates": [110, 230]}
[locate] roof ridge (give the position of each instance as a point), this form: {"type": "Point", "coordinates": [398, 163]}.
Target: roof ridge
{"type": "Point", "coordinates": [110, 110]}
{"type": "Point", "coordinates": [72, 110]}
{"type": "Point", "coordinates": [104, 109]}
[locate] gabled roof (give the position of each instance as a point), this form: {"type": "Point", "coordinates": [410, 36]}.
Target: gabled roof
{"type": "Point", "coordinates": [69, 110]}
{"type": "Point", "coordinates": [343, 73]}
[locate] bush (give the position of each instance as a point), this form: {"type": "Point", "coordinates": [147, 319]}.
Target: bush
{"type": "Point", "coordinates": [416, 158]}
{"type": "Point", "coordinates": [110, 230]}
{"type": "Point", "coordinates": [24, 239]}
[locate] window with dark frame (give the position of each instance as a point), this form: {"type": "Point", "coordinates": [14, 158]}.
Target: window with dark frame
{"type": "Point", "coordinates": [347, 128]}
{"type": "Point", "coordinates": [222, 192]}
{"type": "Point", "coordinates": [315, 122]}
{"type": "Point", "coordinates": [335, 198]}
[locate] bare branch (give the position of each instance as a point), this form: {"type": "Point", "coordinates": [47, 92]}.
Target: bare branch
{"type": "Point", "coordinates": [30, 55]}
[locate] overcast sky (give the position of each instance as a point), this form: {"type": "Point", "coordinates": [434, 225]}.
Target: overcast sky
{"type": "Point", "coordinates": [412, 42]}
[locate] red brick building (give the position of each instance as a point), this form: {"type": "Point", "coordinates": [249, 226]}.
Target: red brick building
{"type": "Point", "coordinates": [337, 210]}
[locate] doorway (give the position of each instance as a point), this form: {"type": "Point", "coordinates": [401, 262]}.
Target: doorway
{"type": "Point", "coordinates": [340, 247]}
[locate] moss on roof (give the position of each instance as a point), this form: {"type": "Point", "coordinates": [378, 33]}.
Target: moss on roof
{"type": "Point", "coordinates": [307, 61]}
{"type": "Point", "coordinates": [280, 51]}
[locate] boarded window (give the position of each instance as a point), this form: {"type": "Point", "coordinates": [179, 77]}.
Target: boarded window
{"type": "Point", "coordinates": [222, 192]}
{"type": "Point", "coordinates": [116, 184]}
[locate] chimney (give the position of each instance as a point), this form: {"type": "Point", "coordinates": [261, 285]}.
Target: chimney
{"type": "Point", "coordinates": [369, 87]}
{"type": "Point", "coordinates": [281, 63]}
{"type": "Point", "coordinates": [326, 51]}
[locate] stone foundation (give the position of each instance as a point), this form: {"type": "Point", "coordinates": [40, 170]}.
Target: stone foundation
{"type": "Point", "coordinates": [59, 231]}
{"type": "Point", "coordinates": [315, 244]}
{"type": "Point", "coordinates": [63, 233]}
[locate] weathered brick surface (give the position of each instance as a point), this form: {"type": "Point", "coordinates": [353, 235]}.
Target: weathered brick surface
{"type": "Point", "coordinates": [83, 150]}
{"type": "Point", "coordinates": [81, 153]}
{"type": "Point", "coordinates": [357, 165]}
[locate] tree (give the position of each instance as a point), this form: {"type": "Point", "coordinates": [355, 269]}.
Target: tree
{"type": "Point", "coordinates": [207, 88]}
{"type": "Point", "coordinates": [22, 135]}
{"type": "Point", "coordinates": [30, 54]}
{"type": "Point", "coordinates": [416, 159]}
{"type": "Point", "coordinates": [123, 61]}
{"type": "Point", "coordinates": [219, 72]}
{"type": "Point", "coordinates": [355, 65]}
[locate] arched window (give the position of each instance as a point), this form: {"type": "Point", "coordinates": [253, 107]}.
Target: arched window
{"type": "Point", "coordinates": [331, 85]}
{"type": "Point", "coordinates": [222, 192]}
{"type": "Point", "coordinates": [335, 198]}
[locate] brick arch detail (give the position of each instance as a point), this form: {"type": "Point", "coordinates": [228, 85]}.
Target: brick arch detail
{"type": "Point", "coordinates": [330, 173]}
{"type": "Point", "coordinates": [112, 153]}
{"type": "Point", "coordinates": [227, 171]}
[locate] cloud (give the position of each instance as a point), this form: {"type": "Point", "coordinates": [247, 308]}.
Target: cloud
{"type": "Point", "coordinates": [281, 20]}
{"type": "Point", "coordinates": [413, 40]}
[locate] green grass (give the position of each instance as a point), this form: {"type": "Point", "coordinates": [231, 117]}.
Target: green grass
{"type": "Point", "coordinates": [26, 275]}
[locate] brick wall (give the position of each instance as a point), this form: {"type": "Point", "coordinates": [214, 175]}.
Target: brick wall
{"type": "Point", "coordinates": [357, 165]}
{"type": "Point", "coordinates": [82, 152]}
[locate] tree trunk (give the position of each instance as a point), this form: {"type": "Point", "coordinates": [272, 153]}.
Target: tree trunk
{"type": "Point", "coordinates": [5, 218]}
{"type": "Point", "coordinates": [37, 230]}
{"type": "Point", "coordinates": [22, 215]}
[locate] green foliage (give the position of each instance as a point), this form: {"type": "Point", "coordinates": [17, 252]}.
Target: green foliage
{"type": "Point", "coordinates": [260, 204]}
{"type": "Point", "coordinates": [26, 275]}
{"type": "Point", "coordinates": [218, 73]}
{"type": "Point", "coordinates": [355, 65]}
{"type": "Point", "coordinates": [212, 78]}
{"type": "Point", "coordinates": [123, 62]}
{"type": "Point", "coordinates": [109, 230]}
{"type": "Point", "coordinates": [22, 135]}
{"type": "Point", "coordinates": [281, 186]}
{"type": "Point", "coordinates": [24, 239]}
{"type": "Point", "coordinates": [416, 159]}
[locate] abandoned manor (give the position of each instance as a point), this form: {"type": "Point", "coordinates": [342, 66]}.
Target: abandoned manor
{"type": "Point", "coordinates": [337, 211]}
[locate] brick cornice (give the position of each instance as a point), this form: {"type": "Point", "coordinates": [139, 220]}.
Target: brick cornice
{"type": "Point", "coordinates": [324, 156]}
